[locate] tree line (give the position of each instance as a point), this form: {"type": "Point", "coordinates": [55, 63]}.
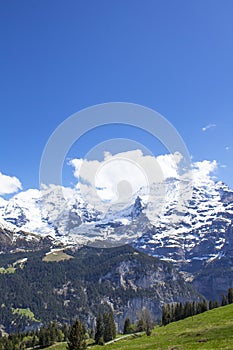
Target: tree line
{"type": "Point", "coordinates": [34, 339]}
{"type": "Point", "coordinates": [105, 331]}
{"type": "Point", "coordinates": [76, 335]}
{"type": "Point", "coordinates": [145, 323]}
{"type": "Point", "coordinates": [178, 311]}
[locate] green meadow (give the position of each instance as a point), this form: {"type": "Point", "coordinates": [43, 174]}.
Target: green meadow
{"type": "Point", "coordinates": [210, 330]}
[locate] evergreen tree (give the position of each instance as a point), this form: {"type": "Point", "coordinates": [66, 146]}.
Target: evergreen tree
{"type": "Point", "coordinates": [187, 309]}
{"type": "Point", "coordinates": [99, 334]}
{"type": "Point", "coordinates": [44, 339]}
{"type": "Point", "coordinates": [166, 314]}
{"type": "Point", "coordinates": [76, 338]}
{"type": "Point", "coordinates": [113, 325]}
{"type": "Point", "coordinates": [178, 313]}
{"type": "Point", "coordinates": [65, 331]}
{"type": "Point", "coordinates": [52, 330]}
{"type": "Point", "coordinates": [127, 326]}
{"type": "Point", "coordinates": [224, 300]}
{"type": "Point", "coordinates": [204, 306]}
{"type": "Point", "coordinates": [201, 307]}
{"type": "Point", "coordinates": [109, 326]}
{"type": "Point", "coordinates": [198, 308]}
{"type": "Point", "coordinates": [34, 341]}
{"type": "Point", "coordinates": [194, 309]}
{"type": "Point", "coordinates": [230, 295]}
{"type": "Point", "coordinates": [211, 305]}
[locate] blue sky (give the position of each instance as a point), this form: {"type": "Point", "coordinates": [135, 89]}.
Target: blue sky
{"type": "Point", "coordinates": [58, 57]}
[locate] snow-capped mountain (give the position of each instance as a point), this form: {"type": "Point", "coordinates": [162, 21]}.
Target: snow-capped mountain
{"type": "Point", "coordinates": [63, 214]}
{"type": "Point", "coordinates": [196, 229]}
{"type": "Point", "coordinates": [198, 232]}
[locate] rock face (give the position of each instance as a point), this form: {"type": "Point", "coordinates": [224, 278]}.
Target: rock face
{"type": "Point", "coordinates": [148, 282]}
{"type": "Point", "coordinates": [12, 240]}
{"type": "Point", "coordinates": [214, 278]}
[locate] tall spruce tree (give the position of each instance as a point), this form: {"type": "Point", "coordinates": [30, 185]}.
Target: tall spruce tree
{"type": "Point", "coordinates": [211, 305]}
{"type": "Point", "coordinates": [230, 295]}
{"type": "Point", "coordinates": [224, 300]}
{"type": "Point", "coordinates": [99, 334]}
{"type": "Point", "coordinates": [109, 326]}
{"type": "Point", "coordinates": [127, 326]}
{"type": "Point", "coordinates": [77, 337]}
{"type": "Point", "coordinates": [165, 319]}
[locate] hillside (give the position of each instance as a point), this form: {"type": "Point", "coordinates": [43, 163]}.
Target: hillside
{"type": "Point", "coordinates": [210, 330]}
{"type": "Point", "coordinates": [73, 284]}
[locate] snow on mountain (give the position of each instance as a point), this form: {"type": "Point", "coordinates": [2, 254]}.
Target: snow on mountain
{"type": "Point", "coordinates": [198, 231]}
{"type": "Point", "coordinates": [6, 226]}
{"type": "Point", "coordinates": [163, 225]}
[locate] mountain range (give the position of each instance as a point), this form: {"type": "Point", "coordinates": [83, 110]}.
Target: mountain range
{"type": "Point", "coordinates": [194, 231]}
{"type": "Point", "coordinates": [193, 236]}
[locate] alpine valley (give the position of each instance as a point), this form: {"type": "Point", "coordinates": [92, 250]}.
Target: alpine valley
{"type": "Point", "coordinates": [58, 245]}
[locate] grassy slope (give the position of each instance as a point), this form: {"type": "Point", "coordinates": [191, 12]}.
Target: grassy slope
{"type": "Point", "coordinates": [210, 330]}
{"type": "Point", "coordinates": [25, 312]}
{"type": "Point", "coordinates": [57, 256]}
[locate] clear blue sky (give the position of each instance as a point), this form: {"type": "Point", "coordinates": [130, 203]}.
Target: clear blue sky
{"type": "Point", "coordinates": [57, 57]}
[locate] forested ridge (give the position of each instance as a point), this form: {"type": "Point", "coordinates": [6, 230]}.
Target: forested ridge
{"type": "Point", "coordinates": [76, 288]}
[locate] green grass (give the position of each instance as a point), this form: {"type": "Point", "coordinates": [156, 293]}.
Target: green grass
{"type": "Point", "coordinates": [58, 255]}
{"type": "Point", "coordinates": [58, 346]}
{"type": "Point", "coordinates": [7, 270]}
{"type": "Point", "coordinates": [12, 268]}
{"type": "Point", "coordinates": [25, 312]}
{"type": "Point", "coordinates": [210, 330]}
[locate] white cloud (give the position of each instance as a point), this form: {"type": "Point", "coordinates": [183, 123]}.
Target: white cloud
{"type": "Point", "coordinates": [202, 172]}
{"type": "Point", "coordinates": [123, 174]}
{"type": "Point", "coordinates": [115, 179]}
{"type": "Point", "coordinates": [209, 126]}
{"type": "Point", "coordinates": [227, 148]}
{"type": "Point", "coordinates": [9, 184]}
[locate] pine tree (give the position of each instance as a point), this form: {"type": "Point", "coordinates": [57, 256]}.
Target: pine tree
{"type": "Point", "coordinates": [44, 339]}
{"type": "Point", "coordinates": [211, 305]}
{"type": "Point", "coordinates": [76, 338]}
{"type": "Point", "coordinates": [166, 315]}
{"type": "Point", "coordinates": [187, 309]}
{"type": "Point", "coordinates": [230, 295]}
{"type": "Point", "coordinates": [65, 331]}
{"type": "Point", "coordinates": [224, 300]}
{"type": "Point", "coordinates": [127, 326]}
{"type": "Point", "coordinates": [113, 325]}
{"type": "Point", "coordinates": [99, 334]}
{"type": "Point", "coordinates": [204, 306]}
{"type": "Point", "coordinates": [52, 329]}
{"type": "Point", "coordinates": [109, 326]}
{"type": "Point", "coordinates": [194, 308]}
{"type": "Point", "coordinates": [34, 341]}
{"type": "Point", "coordinates": [178, 312]}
